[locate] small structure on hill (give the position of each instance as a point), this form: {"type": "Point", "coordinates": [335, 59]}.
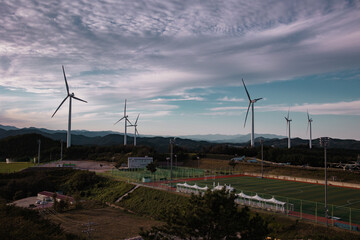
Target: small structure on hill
{"type": "Point", "coordinates": [139, 162]}
{"type": "Point", "coordinates": [49, 196]}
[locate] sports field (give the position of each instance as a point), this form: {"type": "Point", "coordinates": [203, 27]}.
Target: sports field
{"type": "Point", "coordinates": [14, 167]}
{"type": "Point", "coordinates": [306, 198]}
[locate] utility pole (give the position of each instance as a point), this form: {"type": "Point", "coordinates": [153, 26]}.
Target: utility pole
{"type": "Point", "coordinates": [262, 158]}
{"type": "Point", "coordinates": [324, 142]}
{"type": "Point", "coordinates": [172, 141]}
{"type": "Point", "coordinates": [39, 142]}
{"type": "Point", "coordinates": [61, 152]}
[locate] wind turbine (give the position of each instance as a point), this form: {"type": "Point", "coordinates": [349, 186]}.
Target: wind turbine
{"type": "Point", "coordinates": [251, 102]}
{"type": "Point", "coordinates": [309, 124]}
{"type": "Point", "coordinates": [135, 131]}
{"type": "Point", "coordinates": [288, 121]}
{"type": "Point", "coordinates": [70, 96]}
{"type": "Point", "coordinates": [126, 121]}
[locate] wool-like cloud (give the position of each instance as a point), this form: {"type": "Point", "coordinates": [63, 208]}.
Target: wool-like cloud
{"type": "Point", "coordinates": [148, 50]}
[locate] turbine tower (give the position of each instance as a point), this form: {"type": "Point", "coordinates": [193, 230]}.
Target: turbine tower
{"type": "Point", "coordinates": [309, 125]}
{"type": "Point", "coordinates": [251, 102]}
{"type": "Point", "coordinates": [70, 96]}
{"type": "Point", "coordinates": [126, 121]}
{"type": "Point", "coordinates": [288, 121]}
{"type": "Point", "coordinates": [135, 131]}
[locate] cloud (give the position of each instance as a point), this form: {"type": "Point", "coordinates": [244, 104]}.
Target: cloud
{"type": "Point", "coordinates": [227, 108]}
{"type": "Point", "coordinates": [162, 50]}
{"type": "Point", "coordinates": [177, 45]}
{"type": "Point", "coordinates": [337, 108]}
{"type": "Point", "coordinates": [227, 99]}
{"type": "Point", "coordinates": [185, 98]}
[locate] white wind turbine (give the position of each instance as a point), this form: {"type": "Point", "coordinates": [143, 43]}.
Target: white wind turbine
{"type": "Point", "coordinates": [288, 121]}
{"type": "Point", "coordinates": [71, 96]}
{"type": "Point", "coordinates": [309, 125]}
{"type": "Point", "coordinates": [126, 121]}
{"type": "Point", "coordinates": [251, 102]}
{"type": "Point", "coordinates": [135, 131]}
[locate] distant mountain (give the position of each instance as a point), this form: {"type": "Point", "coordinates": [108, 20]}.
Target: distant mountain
{"type": "Point", "coordinates": [77, 132]}
{"type": "Point", "coordinates": [161, 144]}
{"type": "Point", "coordinates": [219, 138]}
{"type": "Point", "coordinates": [7, 127]}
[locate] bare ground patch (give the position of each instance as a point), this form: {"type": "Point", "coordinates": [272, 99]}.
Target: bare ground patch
{"type": "Point", "coordinates": [108, 223]}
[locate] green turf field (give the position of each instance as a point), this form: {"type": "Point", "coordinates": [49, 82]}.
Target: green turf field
{"type": "Point", "coordinates": [14, 167]}
{"type": "Point", "coordinates": [160, 174]}
{"type": "Point", "coordinates": [307, 198]}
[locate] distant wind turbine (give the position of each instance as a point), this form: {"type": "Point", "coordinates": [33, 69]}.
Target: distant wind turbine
{"type": "Point", "coordinates": [135, 131]}
{"type": "Point", "coordinates": [126, 121]}
{"type": "Point", "coordinates": [70, 96]}
{"type": "Point", "coordinates": [309, 125]}
{"type": "Point", "coordinates": [251, 102]}
{"type": "Point", "coordinates": [288, 127]}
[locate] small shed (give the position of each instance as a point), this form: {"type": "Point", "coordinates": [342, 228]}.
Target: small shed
{"type": "Point", "coordinates": [146, 179]}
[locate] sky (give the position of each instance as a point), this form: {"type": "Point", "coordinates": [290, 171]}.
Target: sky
{"type": "Point", "coordinates": [180, 63]}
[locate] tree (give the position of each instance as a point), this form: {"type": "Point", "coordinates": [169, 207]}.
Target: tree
{"type": "Point", "coordinates": [214, 215]}
{"type": "Point", "coordinates": [152, 168]}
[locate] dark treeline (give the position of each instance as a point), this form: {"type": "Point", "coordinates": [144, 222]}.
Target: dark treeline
{"type": "Point", "coordinates": [298, 155]}
{"type": "Point", "coordinates": [25, 148]}
{"type": "Point", "coordinates": [31, 181]}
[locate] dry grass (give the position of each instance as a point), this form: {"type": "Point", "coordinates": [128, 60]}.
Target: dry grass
{"type": "Point", "coordinates": [109, 223]}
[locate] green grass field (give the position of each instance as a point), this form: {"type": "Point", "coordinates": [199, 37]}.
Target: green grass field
{"type": "Point", "coordinates": [160, 174]}
{"type": "Point", "coordinates": [307, 198]}
{"type": "Point", "coordinates": [14, 167]}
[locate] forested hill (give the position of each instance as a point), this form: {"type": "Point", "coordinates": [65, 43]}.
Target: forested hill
{"type": "Point", "coordinates": [161, 144]}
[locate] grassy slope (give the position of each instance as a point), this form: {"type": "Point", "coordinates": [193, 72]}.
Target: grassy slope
{"type": "Point", "coordinates": [14, 167]}
{"type": "Point", "coordinates": [152, 202]}
{"type": "Point", "coordinates": [110, 192]}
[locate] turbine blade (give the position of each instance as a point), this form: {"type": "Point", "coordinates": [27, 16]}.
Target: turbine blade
{"type": "Point", "coordinates": [136, 131]}
{"type": "Point", "coordinates": [125, 108]}
{"type": "Point", "coordinates": [247, 113]}
{"type": "Point", "coordinates": [137, 118]}
{"type": "Point", "coordinates": [308, 115]}
{"type": "Point", "coordinates": [79, 99]}
{"type": "Point", "coordinates": [257, 99]}
{"type": "Point", "coordinates": [288, 112]}
{"type": "Point", "coordinates": [60, 105]}
{"type": "Point", "coordinates": [128, 121]}
{"type": "Point", "coordinates": [119, 120]}
{"type": "Point", "coordinates": [67, 86]}
{"type": "Point", "coordinates": [246, 90]}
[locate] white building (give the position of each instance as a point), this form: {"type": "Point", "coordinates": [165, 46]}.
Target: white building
{"type": "Point", "coordinates": [139, 162]}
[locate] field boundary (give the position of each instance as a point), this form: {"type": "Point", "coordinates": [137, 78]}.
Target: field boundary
{"type": "Point", "coordinates": [305, 180]}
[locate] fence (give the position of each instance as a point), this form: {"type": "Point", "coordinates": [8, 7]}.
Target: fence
{"type": "Point", "coordinates": [164, 173]}
{"type": "Point", "coordinates": [340, 216]}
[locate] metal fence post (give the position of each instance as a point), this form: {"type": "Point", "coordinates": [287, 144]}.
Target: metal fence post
{"type": "Point", "coordinates": [287, 206]}
{"type": "Point", "coordinates": [332, 214]}
{"type": "Point", "coordinates": [350, 219]}
{"type": "Point", "coordinates": [300, 209]}
{"type": "Point", "coordinates": [315, 211]}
